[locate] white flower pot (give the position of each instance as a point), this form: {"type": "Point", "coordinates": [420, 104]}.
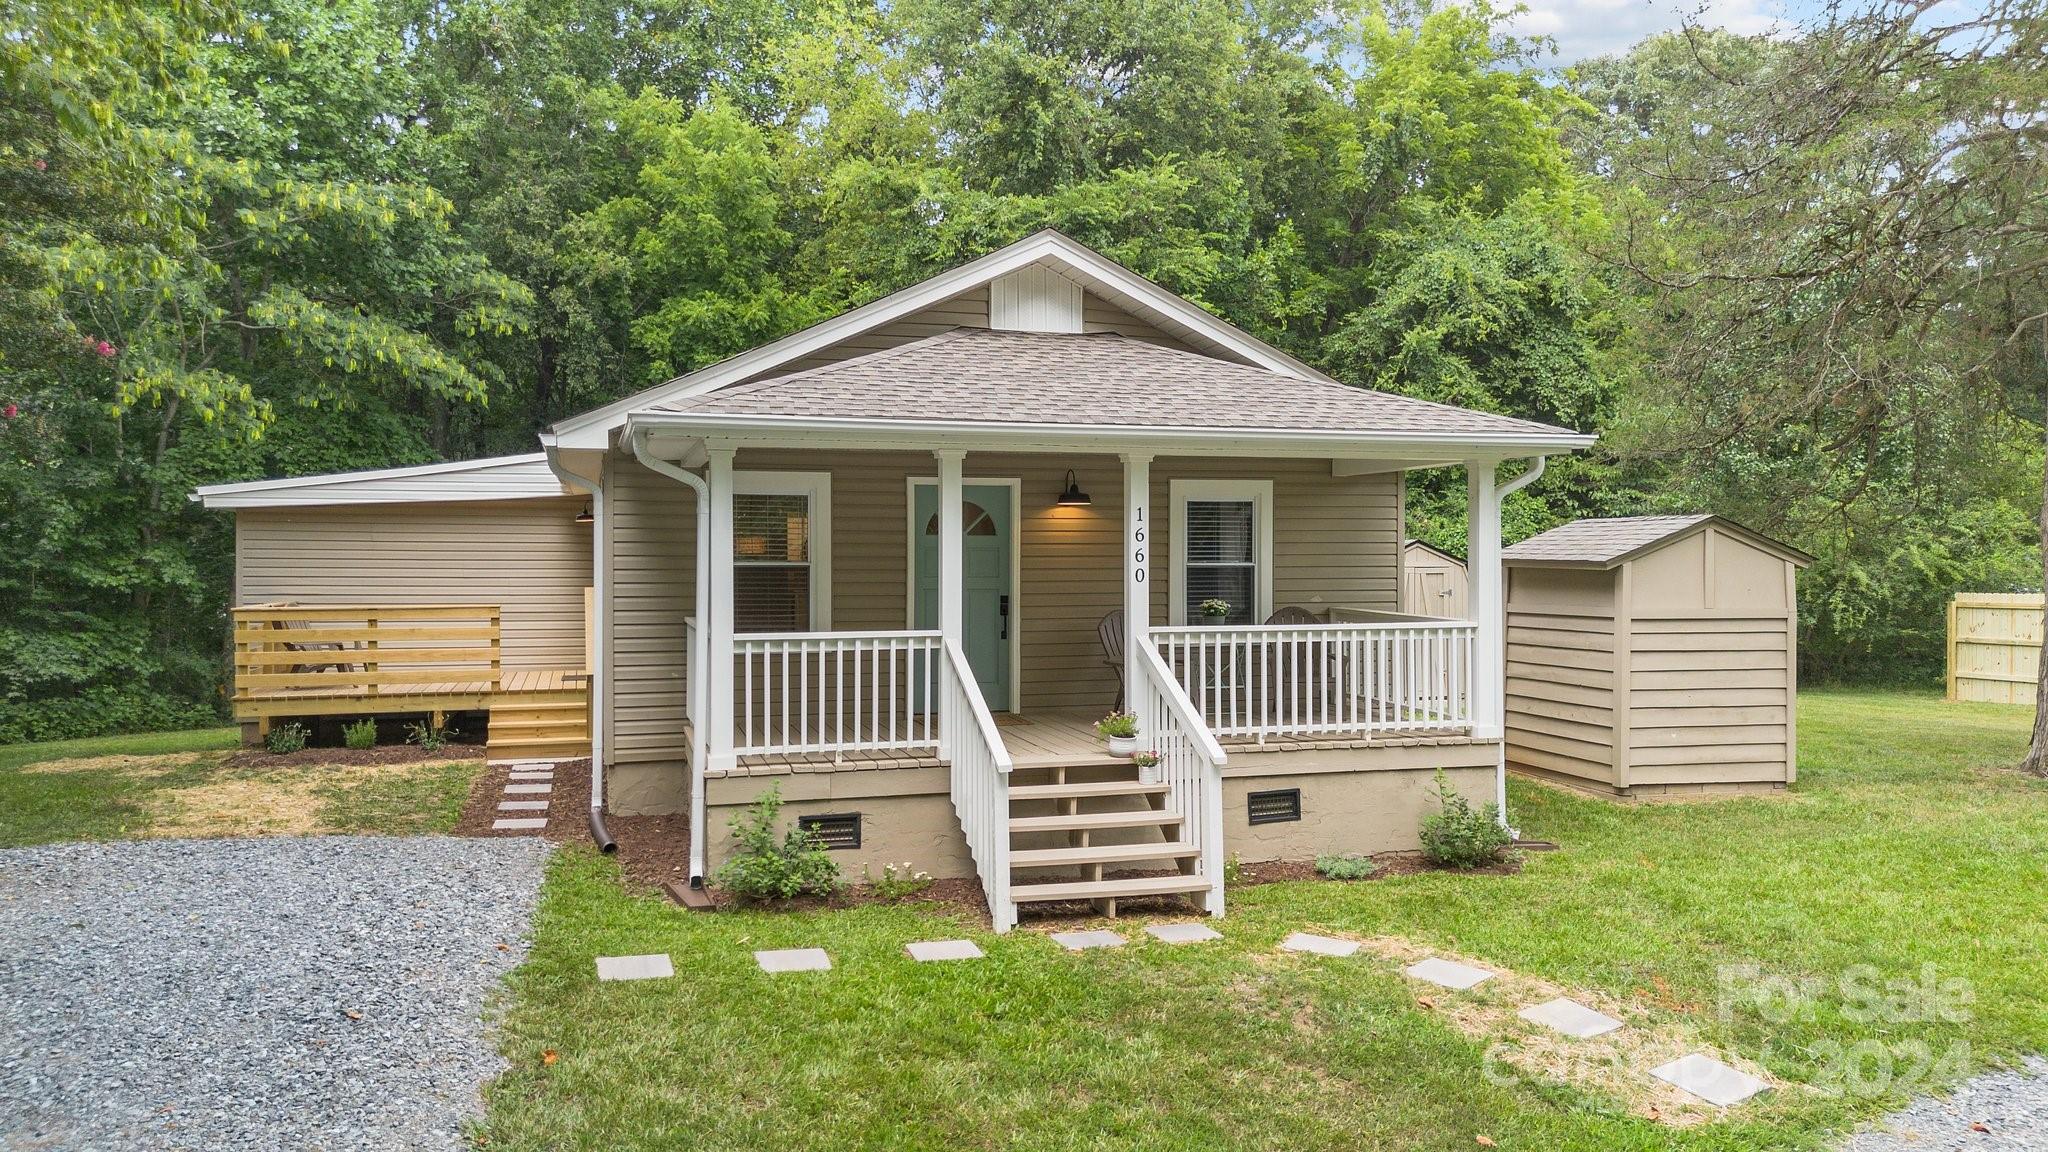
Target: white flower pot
{"type": "Point", "coordinates": [1122, 745]}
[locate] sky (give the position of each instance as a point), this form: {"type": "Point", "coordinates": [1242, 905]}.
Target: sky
{"type": "Point", "coordinates": [1587, 28]}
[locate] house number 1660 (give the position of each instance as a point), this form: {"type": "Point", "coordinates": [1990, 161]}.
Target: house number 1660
{"type": "Point", "coordinates": [1138, 538]}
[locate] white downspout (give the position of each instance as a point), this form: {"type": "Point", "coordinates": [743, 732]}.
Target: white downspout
{"type": "Point", "coordinates": [696, 655]}
{"type": "Point", "coordinates": [598, 685]}
{"type": "Point", "coordinates": [1500, 767]}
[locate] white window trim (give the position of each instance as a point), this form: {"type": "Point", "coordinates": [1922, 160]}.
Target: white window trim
{"type": "Point", "coordinates": [818, 487]}
{"type": "Point", "coordinates": [1260, 493]}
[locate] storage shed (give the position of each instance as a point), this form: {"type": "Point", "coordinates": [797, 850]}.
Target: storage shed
{"type": "Point", "coordinates": [1433, 583]}
{"type": "Point", "coordinates": [1653, 656]}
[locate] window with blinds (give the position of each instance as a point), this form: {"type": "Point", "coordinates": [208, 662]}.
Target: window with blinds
{"type": "Point", "coordinates": [771, 580]}
{"type": "Point", "coordinates": [1222, 559]}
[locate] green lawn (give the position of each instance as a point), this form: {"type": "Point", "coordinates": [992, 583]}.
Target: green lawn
{"type": "Point", "coordinates": [173, 783]}
{"type": "Point", "coordinates": [1907, 842]}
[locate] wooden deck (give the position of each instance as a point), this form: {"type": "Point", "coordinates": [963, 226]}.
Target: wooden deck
{"type": "Point", "coordinates": [1067, 738]}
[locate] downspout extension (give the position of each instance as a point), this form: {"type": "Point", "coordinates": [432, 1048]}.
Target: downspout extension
{"type": "Point", "coordinates": [599, 834]}
{"type": "Point", "coordinates": [703, 609]}
{"type": "Point", "coordinates": [1500, 768]}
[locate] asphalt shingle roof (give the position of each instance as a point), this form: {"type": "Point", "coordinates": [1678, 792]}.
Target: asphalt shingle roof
{"type": "Point", "coordinates": [1599, 541]}
{"type": "Point", "coordinates": [985, 375]}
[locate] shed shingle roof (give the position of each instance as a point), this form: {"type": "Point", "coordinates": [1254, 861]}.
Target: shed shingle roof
{"type": "Point", "coordinates": [1604, 543]}
{"type": "Point", "coordinates": [1103, 379]}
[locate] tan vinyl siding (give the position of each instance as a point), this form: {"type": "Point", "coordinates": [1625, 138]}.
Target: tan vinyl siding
{"type": "Point", "coordinates": [652, 559]}
{"type": "Point", "coordinates": [967, 310]}
{"type": "Point", "coordinates": [530, 557]}
{"type": "Point", "coordinates": [1099, 315]}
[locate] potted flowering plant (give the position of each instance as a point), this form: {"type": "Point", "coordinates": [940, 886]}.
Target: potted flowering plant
{"type": "Point", "coordinates": [1148, 765]}
{"type": "Point", "coordinates": [1121, 730]}
{"type": "Point", "coordinates": [1215, 609]}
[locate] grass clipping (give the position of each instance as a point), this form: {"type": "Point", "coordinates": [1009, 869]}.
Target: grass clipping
{"type": "Point", "coordinates": [1616, 1065]}
{"type": "Point", "coordinates": [294, 801]}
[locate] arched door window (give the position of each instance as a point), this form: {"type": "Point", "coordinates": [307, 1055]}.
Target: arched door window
{"type": "Point", "coordinates": [974, 521]}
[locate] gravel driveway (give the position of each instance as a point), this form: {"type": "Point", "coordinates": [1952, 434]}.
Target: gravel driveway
{"type": "Point", "coordinates": [323, 993]}
{"type": "Point", "coordinates": [2010, 1105]}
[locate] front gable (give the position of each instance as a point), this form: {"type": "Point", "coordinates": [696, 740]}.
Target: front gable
{"type": "Point", "coordinates": [1044, 283]}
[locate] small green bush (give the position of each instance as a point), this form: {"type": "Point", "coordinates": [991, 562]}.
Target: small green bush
{"type": "Point", "coordinates": [1346, 867]}
{"type": "Point", "coordinates": [359, 735]}
{"type": "Point", "coordinates": [1458, 835]}
{"type": "Point", "coordinates": [766, 866]}
{"type": "Point", "coordinates": [896, 883]}
{"type": "Point", "coordinates": [428, 737]}
{"type": "Point", "coordinates": [286, 739]}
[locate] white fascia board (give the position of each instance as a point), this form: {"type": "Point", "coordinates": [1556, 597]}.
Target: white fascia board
{"type": "Point", "coordinates": [870, 433]}
{"type": "Point", "coordinates": [592, 429]}
{"type": "Point", "coordinates": [424, 483]}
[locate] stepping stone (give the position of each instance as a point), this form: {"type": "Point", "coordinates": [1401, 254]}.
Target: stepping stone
{"type": "Point", "coordinates": [925, 951]}
{"type": "Point", "coordinates": [1182, 933]}
{"type": "Point", "coordinates": [516, 777]}
{"type": "Point", "coordinates": [653, 967]}
{"type": "Point", "coordinates": [522, 805]}
{"type": "Point", "coordinates": [528, 789]}
{"type": "Point", "coordinates": [528, 765]}
{"type": "Point", "coordinates": [1320, 945]}
{"type": "Point", "coordinates": [1710, 1080]}
{"type": "Point", "coordinates": [1571, 1018]}
{"type": "Point", "coordinates": [1078, 941]}
{"type": "Point", "coordinates": [520, 824]}
{"type": "Point", "coordinates": [1448, 973]}
{"type": "Point", "coordinates": [793, 960]}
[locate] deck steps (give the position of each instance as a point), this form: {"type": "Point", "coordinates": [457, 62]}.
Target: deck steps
{"type": "Point", "coordinates": [544, 729]}
{"type": "Point", "coordinates": [1094, 821]}
{"type": "Point", "coordinates": [1099, 788]}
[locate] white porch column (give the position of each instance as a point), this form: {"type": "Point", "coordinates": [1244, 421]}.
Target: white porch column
{"type": "Point", "coordinates": [1137, 586]}
{"type": "Point", "coordinates": [951, 595]}
{"type": "Point", "coordinates": [1482, 550]}
{"type": "Point", "coordinates": [717, 678]}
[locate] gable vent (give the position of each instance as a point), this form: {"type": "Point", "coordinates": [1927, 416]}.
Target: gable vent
{"type": "Point", "coordinates": [1275, 807]}
{"type": "Point", "coordinates": [835, 830]}
{"type": "Point", "coordinates": [1034, 299]}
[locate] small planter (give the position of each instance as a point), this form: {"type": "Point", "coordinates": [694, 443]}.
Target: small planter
{"type": "Point", "coordinates": [1148, 767]}
{"type": "Point", "coordinates": [1123, 745]}
{"type": "Point", "coordinates": [1121, 730]}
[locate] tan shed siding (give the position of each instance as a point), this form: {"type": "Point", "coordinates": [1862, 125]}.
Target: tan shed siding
{"type": "Point", "coordinates": [1561, 665]}
{"type": "Point", "coordinates": [1334, 542]}
{"type": "Point", "coordinates": [652, 557]}
{"type": "Point", "coordinates": [530, 557]}
{"type": "Point", "coordinates": [967, 310]}
{"type": "Point", "coordinates": [1710, 697]}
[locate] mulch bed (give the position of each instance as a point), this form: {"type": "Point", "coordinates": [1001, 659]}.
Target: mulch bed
{"type": "Point", "coordinates": [1390, 864]}
{"type": "Point", "coordinates": [387, 754]}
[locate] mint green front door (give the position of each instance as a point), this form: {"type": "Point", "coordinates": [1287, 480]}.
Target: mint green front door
{"type": "Point", "coordinates": [987, 536]}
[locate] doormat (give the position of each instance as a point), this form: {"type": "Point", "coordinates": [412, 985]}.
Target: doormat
{"type": "Point", "coordinates": [1009, 720]}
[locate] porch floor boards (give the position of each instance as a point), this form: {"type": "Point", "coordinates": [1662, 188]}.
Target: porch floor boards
{"type": "Point", "coordinates": [1057, 738]}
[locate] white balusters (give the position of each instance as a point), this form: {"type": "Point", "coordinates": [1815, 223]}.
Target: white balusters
{"type": "Point", "coordinates": [980, 767]}
{"type": "Point", "coordinates": [835, 692]}
{"type": "Point", "coordinates": [1191, 765]}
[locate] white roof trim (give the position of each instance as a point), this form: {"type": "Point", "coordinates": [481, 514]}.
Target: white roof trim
{"type": "Point", "coordinates": [1174, 315]}
{"type": "Point", "coordinates": [874, 432]}
{"type": "Point", "coordinates": [523, 477]}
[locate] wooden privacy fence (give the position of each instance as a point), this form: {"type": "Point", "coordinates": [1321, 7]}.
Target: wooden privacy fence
{"type": "Point", "coordinates": [363, 652]}
{"type": "Point", "coordinates": [1994, 646]}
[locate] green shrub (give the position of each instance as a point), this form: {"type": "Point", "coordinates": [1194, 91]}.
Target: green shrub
{"type": "Point", "coordinates": [361, 734]}
{"type": "Point", "coordinates": [765, 866]}
{"type": "Point", "coordinates": [896, 883]}
{"type": "Point", "coordinates": [1458, 835]}
{"type": "Point", "coordinates": [1346, 867]}
{"type": "Point", "coordinates": [286, 739]}
{"type": "Point", "coordinates": [428, 737]}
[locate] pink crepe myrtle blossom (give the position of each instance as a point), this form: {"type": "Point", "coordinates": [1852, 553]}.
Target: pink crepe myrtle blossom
{"type": "Point", "coordinates": [9, 412]}
{"type": "Point", "coordinates": [105, 350]}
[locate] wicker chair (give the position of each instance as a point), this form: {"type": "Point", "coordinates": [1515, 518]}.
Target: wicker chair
{"type": "Point", "coordinates": [1293, 614]}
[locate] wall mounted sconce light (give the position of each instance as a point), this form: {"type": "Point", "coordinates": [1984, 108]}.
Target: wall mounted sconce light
{"type": "Point", "coordinates": [1073, 497]}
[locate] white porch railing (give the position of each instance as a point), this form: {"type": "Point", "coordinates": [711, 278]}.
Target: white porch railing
{"type": "Point", "coordinates": [1297, 679]}
{"type": "Point", "coordinates": [980, 767]}
{"type": "Point", "coordinates": [1191, 765]}
{"type": "Point", "coordinates": [835, 692]}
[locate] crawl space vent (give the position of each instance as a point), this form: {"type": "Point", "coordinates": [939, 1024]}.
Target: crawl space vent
{"type": "Point", "coordinates": [836, 830]}
{"type": "Point", "coordinates": [1275, 807]}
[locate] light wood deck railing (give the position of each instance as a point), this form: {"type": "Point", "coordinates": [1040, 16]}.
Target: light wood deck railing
{"type": "Point", "coordinates": [366, 651]}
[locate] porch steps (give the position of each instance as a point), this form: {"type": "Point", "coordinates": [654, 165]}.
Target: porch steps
{"type": "Point", "coordinates": [1079, 821]}
{"type": "Point", "coordinates": [1108, 889]}
{"type": "Point", "coordinates": [1101, 854]}
{"type": "Point", "coordinates": [540, 730]}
